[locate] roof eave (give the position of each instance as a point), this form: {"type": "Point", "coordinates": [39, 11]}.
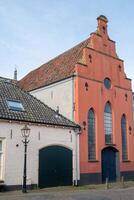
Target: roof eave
{"type": "Point", "coordinates": [42, 123]}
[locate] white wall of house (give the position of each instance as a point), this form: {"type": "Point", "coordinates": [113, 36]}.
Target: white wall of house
{"type": "Point", "coordinates": [13, 150]}
{"type": "Point", "coordinates": [59, 94]}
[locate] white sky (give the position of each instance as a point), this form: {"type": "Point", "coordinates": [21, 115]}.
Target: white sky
{"type": "Point", "coordinates": [34, 31]}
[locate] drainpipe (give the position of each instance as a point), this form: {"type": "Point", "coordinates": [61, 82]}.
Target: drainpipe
{"type": "Point", "coordinates": [73, 100]}
{"type": "Point", "coordinates": [77, 165]}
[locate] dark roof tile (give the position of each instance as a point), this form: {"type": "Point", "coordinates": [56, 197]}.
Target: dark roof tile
{"type": "Point", "coordinates": [34, 110]}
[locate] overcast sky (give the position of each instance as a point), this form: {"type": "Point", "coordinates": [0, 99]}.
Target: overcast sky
{"type": "Point", "coordinates": [34, 31]}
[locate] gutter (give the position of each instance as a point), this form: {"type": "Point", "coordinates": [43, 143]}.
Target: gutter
{"type": "Point", "coordinates": [77, 127]}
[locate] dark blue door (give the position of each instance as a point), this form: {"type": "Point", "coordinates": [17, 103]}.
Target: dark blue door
{"type": "Point", "coordinates": [55, 166]}
{"type": "Point", "coordinates": [109, 164]}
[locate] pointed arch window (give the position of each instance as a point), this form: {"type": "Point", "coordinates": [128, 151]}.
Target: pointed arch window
{"type": "Point", "coordinates": [124, 138]}
{"type": "Point", "coordinates": [91, 135]}
{"type": "Point", "coordinates": [108, 123]}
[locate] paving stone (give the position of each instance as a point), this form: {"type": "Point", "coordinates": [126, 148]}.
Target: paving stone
{"type": "Point", "coordinates": [119, 194]}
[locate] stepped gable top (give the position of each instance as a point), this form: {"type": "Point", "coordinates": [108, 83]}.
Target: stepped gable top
{"type": "Point", "coordinates": [18, 105]}
{"type": "Point", "coordinates": [103, 17]}
{"type": "Point", "coordinates": [56, 69]}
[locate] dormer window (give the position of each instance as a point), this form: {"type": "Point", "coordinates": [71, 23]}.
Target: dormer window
{"type": "Point", "coordinates": [15, 105]}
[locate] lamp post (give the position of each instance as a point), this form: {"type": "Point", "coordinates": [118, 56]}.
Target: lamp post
{"type": "Point", "coordinates": [25, 131]}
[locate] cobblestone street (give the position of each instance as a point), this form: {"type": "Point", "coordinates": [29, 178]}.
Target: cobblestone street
{"type": "Point", "coordinates": [112, 194]}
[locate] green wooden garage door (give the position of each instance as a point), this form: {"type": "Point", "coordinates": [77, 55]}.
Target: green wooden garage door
{"type": "Point", "coordinates": [55, 166]}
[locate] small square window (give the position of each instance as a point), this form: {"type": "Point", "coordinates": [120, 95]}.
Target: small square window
{"type": "Point", "coordinates": [15, 105]}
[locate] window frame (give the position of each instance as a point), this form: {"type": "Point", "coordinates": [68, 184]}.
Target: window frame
{"type": "Point", "coordinates": [18, 108]}
{"type": "Point", "coordinates": [108, 124]}
{"type": "Point", "coordinates": [107, 83]}
{"type": "Point", "coordinates": [124, 136]}
{"type": "Point", "coordinates": [91, 135]}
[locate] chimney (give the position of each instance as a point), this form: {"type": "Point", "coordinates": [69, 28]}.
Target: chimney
{"type": "Point", "coordinates": [102, 26]}
{"type": "Point", "coordinates": [15, 74]}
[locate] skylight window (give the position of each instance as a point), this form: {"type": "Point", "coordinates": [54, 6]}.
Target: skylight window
{"type": "Point", "coordinates": [15, 105]}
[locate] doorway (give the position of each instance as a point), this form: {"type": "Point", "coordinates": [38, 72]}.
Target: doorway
{"type": "Point", "coordinates": [110, 164]}
{"type": "Point", "coordinates": [55, 166]}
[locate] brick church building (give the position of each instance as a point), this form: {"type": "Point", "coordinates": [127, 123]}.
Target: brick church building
{"type": "Point", "coordinates": [88, 85]}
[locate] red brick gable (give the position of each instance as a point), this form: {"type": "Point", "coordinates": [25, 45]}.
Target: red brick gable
{"type": "Point", "coordinates": [59, 68]}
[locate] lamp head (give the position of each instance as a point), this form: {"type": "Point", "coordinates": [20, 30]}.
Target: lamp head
{"type": "Point", "coordinates": [25, 131]}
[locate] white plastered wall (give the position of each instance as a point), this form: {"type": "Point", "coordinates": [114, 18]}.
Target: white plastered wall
{"type": "Point", "coordinates": [13, 150]}
{"type": "Point", "coordinates": [59, 94]}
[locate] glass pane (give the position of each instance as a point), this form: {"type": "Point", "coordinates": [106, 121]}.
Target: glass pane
{"type": "Point", "coordinates": [107, 108]}
{"type": "Point", "coordinates": [108, 123]}
{"type": "Point", "coordinates": [91, 136]}
{"type": "Point", "coordinates": [107, 83]}
{"type": "Point", "coordinates": [124, 138]}
{"type": "Point", "coordinates": [15, 105]}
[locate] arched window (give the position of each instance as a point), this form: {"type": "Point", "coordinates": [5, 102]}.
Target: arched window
{"type": "Point", "coordinates": [91, 135]}
{"type": "Point", "coordinates": [124, 138]}
{"type": "Point", "coordinates": [108, 123]}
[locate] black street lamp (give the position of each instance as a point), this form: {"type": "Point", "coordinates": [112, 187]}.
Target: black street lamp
{"type": "Point", "coordinates": [25, 131]}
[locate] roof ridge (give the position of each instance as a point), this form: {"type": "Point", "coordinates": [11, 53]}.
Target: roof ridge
{"type": "Point", "coordinates": [4, 79]}
{"type": "Point", "coordinates": [56, 57]}
{"type": "Point", "coordinates": [56, 69]}
{"type": "Point", "coordinates": [66, 51]}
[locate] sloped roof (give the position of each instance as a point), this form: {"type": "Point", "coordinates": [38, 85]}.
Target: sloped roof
{"type": "Point", "coordinates": [56, 69]}
{"type": "Point", "coordinates": [6, 79]}
{"type": "Point", "coordinates": [34, 110]}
